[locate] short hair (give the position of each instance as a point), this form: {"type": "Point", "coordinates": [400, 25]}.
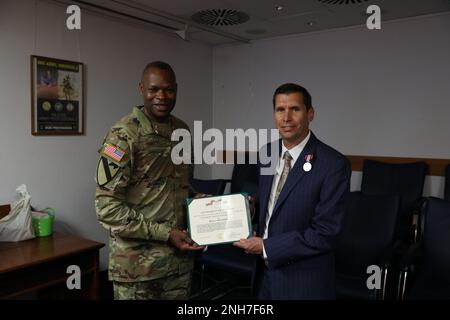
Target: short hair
{"type": "Point", "coordinates": [158, 65]}
{"type": "Point", "coordinates": [292, 88]}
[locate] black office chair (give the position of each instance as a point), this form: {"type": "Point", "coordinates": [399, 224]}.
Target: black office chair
{"type": "Point", "coordinates": [244, 178]}
{"type": "Point", "coordinates": [367, 238]}
{"type": "Point", "coordinates": [405, 180]}
{"type": "Point", "coordinates": [214, 187]}
{"type": "Point", "coordinates": [447, 183]}
{"type": "Point", "coordinates": [228, 258]}
{"type": "Point", "coordinates": [425, 267]}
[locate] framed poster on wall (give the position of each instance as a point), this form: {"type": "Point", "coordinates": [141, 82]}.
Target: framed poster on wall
{"type": "Point", "coordinates": [57, 96]}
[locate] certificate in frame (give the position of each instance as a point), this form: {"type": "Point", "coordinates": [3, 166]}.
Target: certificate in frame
{"type": "Point", "coordinates": [57, 97]}
{"type": "Point", "coordinates": [219, 219]}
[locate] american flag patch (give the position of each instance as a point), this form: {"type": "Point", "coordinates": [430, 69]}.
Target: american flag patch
{"type": "Point", "coordinates": [113, 152]}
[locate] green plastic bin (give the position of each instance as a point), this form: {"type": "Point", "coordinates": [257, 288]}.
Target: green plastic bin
{"type": "Point", "coordinates": [43, 227]}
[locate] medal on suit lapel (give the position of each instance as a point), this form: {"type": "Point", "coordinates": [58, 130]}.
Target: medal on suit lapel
{"type": "Point", "coordinates": [307, 166]}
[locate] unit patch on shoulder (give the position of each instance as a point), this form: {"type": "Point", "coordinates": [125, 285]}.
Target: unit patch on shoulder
{"type": "Point", "coordinates": [106, 171]}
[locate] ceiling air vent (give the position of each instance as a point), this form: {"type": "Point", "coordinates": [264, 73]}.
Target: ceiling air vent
{"type": "Point", "coordinates": [342, 1]}
{"type": "Point", "coordinates": [220, 17]}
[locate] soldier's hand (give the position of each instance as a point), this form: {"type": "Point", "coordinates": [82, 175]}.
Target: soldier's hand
{"type": "Point", "coordinates": [181, 240]}
{"type": "Point", "coordinates": [201, 195]}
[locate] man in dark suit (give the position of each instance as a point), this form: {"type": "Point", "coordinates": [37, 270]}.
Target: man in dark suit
{"type": "Point", "coordinates": [301, 207]}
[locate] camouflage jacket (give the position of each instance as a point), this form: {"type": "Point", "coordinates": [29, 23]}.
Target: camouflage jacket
{"type": "Point", "coordinates": [140, 197]}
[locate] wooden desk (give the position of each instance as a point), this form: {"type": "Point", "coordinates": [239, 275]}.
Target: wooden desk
{"type": "Point", "coordinates": [40, 265]}
{"type": "Point", "coordinates": [4, 210]}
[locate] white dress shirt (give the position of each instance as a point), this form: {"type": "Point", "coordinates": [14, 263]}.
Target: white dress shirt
{"type": "Point", "coordinates": [295, 153]}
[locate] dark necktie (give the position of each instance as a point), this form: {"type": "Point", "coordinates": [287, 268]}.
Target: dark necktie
{"type": "Point", "coordinates": [284, 174]}
{"type": "Point", "coordinates": [287, 167]}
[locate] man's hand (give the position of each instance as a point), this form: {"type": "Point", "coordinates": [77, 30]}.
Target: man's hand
{"type": "Point", "coordinates": [181, 240]}
{"type": "Point", "coordinates": [253, 245]}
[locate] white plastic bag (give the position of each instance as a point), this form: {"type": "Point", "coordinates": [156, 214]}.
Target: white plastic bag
{"type": "Point", "coordinates": [17, 225]}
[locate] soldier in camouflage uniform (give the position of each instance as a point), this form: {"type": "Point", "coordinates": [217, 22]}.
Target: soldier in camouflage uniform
{"type": "Point", "coordinates": [140, 196]}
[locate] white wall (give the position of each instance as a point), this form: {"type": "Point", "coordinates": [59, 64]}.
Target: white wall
{"type": "Point", "coordinates": [59, 171]}
{"type": "Point", "coordinates": [382, 93]}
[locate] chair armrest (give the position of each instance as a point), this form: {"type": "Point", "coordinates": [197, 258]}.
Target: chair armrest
{"type": "Point", "coordinates": [407, 269]}
{"type": "Point", "coordinates": [410, 257]}
{"type": "Point", "coordinates": [417, 220]}
{"type": "Point", "coordinates": [387, 264]}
